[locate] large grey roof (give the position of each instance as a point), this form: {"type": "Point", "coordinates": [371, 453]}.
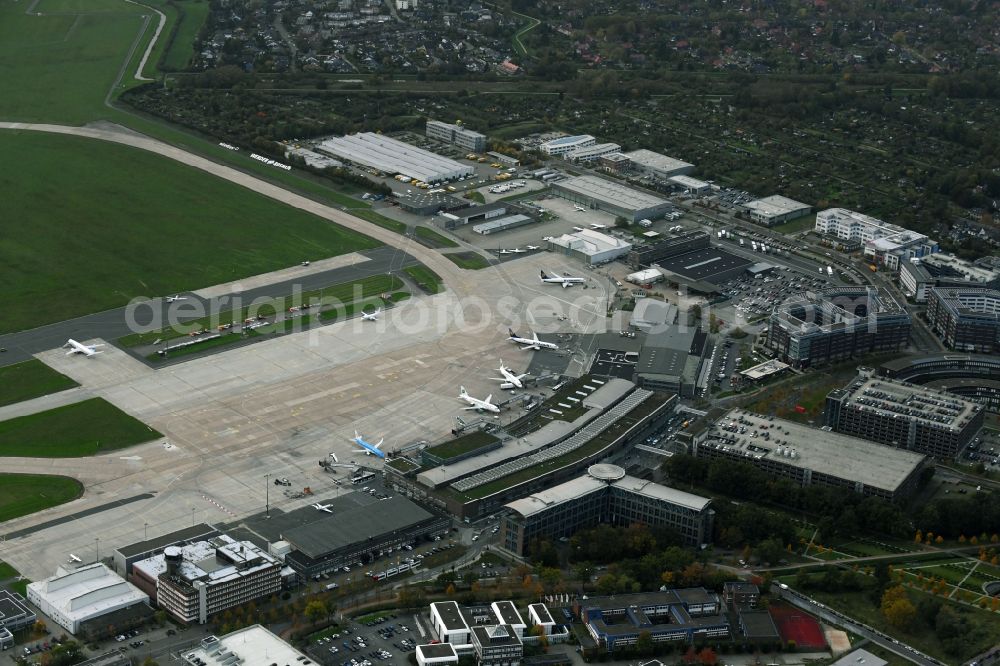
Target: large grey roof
{"type": "Point", "coordinates": [356, 525]}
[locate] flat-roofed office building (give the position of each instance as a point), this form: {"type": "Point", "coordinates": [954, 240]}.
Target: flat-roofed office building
{"type": "Point", "coordinates": [604, 495]}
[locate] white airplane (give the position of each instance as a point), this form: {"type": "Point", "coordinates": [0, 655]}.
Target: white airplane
{"type": "Point", "coordinates": [595, 225]}
{"type": "Point", "coordinates": [531, 343]}
{"type": "Point", "coordinates": [323, 507]}
{"type": "Point", "coordinates": [577, 228]}
{"type": "Point", "coordinates": [477, 404]}
{"type": "Point", "coordinates": [178, 297]}
{"type": "Point", "coordinates": [369, 449]}
{"type": "Point", "coordinates": [504, 251]}
{"type": "Point", "coordinates": [371, 316]}
{"type": "Point", "coordinates": [509, 377]}
{"type": "Point", "coordinates": [518, 250]}
{"type": "Point", "coordinates": [580, 208]}
{"type": "Point", "coordinates": [74, 558]}
{"type": "Point", "coordinates": [564, 280]}
{"type": "Point", "coordinates": [79, 348]}
{"type": "Point", "coordinates": [534, 247]}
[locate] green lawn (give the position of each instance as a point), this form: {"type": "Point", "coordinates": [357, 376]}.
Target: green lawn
{"type": "Point", "coordinates": [425, 278]}
{"type": "Point", "coordinates": [116, 223]}
{"type": "Point", "coordinates": [7, 571]}
{"type": "Point", "coordinates": [181, 49]}
{"type": "Point", "coordinates": [81, 429]}
{"type": "Point", "coordinates": [433, 238]}
{"type": "Point", "coordinates": [463, 444]}
{"type": "Point", "coordinates": [795, 226]}
{"type": "Point", "coordinates": [24, 494]}
{"type": "Point", "coordinates": [30, 379]}
{"type": "Point", "coordinates": [381, 220]}
{"type": "Point", "coordinates": [77, 55]}
{"type": "Point", "coordinates": [471, 261]}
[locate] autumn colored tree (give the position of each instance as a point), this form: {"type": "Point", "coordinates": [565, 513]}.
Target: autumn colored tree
{"type": "Point", "coordinates": [707, 657]}
{"type": "Point", "coordinates": [897, 607]}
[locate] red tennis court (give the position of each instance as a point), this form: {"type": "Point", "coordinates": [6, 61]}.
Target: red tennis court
{"type": "Point", "coordinates": [796, 625]}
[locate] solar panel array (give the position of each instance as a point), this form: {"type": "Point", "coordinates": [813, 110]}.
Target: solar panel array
{"type": "Point", "coordinates": [581, 437]}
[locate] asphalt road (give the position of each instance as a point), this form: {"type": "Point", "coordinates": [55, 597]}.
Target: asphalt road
{"type": "Point", "coordinates": [112, 324]}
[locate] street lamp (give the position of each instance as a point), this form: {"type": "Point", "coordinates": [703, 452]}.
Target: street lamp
{"type": "Point", "coordinates": [97, 549]}
{"type": "Point", "coordinates": [267, 495]}
{"type": "Point", "coordinates": [145, 531]}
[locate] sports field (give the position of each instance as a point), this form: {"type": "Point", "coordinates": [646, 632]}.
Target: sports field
{"type": "Point", "coordinates": [799, 626]}
{"type": "Point", "coordinates": [24, 494]}
{"type": "Point", "coordinates": [31, 379]}
{"type": "Point", "coordinates": [96, 224]}
{"type": "Point", "coordinates": [81, 429]}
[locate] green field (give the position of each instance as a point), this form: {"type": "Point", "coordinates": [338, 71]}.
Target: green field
{"type": "Point", "coordinates": [795, 226]}
{"type": "Point", "coordinates": [81, 429]}
{"type": "Point", "coordinates": [369, 215]}
{"type": "Point", "coordinates": [470, 261]}
{"type": "Point", "coordinates": [77, 55]}
{"type": "Point", "coordinates": [181, 49]}
{"type": "Point", "coordinates": [116, 223]}
{"type": "Point", "coordinates": [30, 379]}
{"type": "Point", "coordinates": [24, 494]}
{"type": "Point", "coordinates": [433, 238]}
{"type": "Point", "coordinates": [425, 278]}
{"type": "Point", "coordinates": [463, 444]}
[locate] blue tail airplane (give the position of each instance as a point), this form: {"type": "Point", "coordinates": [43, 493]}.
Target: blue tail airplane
{"type": "Point", "coordinates": [369, 449]}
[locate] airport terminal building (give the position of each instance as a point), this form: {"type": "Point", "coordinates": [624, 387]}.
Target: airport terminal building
{"type": "Point", "coordinates": [604, 495]}
{"type": "Point", "coordinates": [807, 456]}
{"type": "Point", "coordinates": [358, 534]}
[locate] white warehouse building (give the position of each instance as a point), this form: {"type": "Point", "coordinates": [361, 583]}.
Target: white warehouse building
{"type": "Point", "coordinates": [592, 152]}
{"type": "Point", "coordinates": [567, 144]}
{"type": "Point", "coordinates": [775, 209]}
{"type": "Point", "coordinates": [590, 246]}
{"type": "Point", "coordinates": [72, 597]}
{"type": "Point", "coordinates": [392, 156]}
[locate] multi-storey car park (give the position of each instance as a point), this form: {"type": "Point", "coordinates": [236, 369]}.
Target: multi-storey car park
{"type": "Point", "coordinates": [965, 318]}
{"type": "Point", "coordinates": [643, 256]}
{"type": "Point", "coordinates": [391, 156]}
{"type": "Point", "coordinates": [972, 376]}
{"type": "Point", "coordinates": [837, 324]}
{"type": "Point", "coordinates": [808, 456]}
{"type": "Point", "coordinates": [904, 415]}
{"type": "Point", "coordinates": [604, 495]}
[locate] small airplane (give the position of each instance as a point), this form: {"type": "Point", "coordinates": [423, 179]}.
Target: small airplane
{"type": "Point", "coordinates": [564, 280]}
{"type": "Point", "coordinates": [369, 449]}
{"type": "Point", "coordinates": [477, 404]}
{"type": "Point", "coordinates": [371, 316]}
{"type": "Point", "coordinates": [518, 250]}
{"type": "Point", "coordinates": [580, 208]}
{"type": "Point", "coordinates": [595, 225]}
{"type": "Point", "coordinates": [533, 247]}
{"type": "Point", "coordinates": [509, 377]}
{"type": "Point", "coordinates": [530, 343]}
{"type": "Point", "coordinates": [323, 507]}
{"type": "Point", "coordinates": [177, 297]}
{"type": "Point", "coordinates": [504, 251]}
{"type": "Point", "coordinates": [577, 228]}
{"type": "Point", "coordinates": [74, 558]}
{"type": "Point", "coordinates": [80, 348]}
